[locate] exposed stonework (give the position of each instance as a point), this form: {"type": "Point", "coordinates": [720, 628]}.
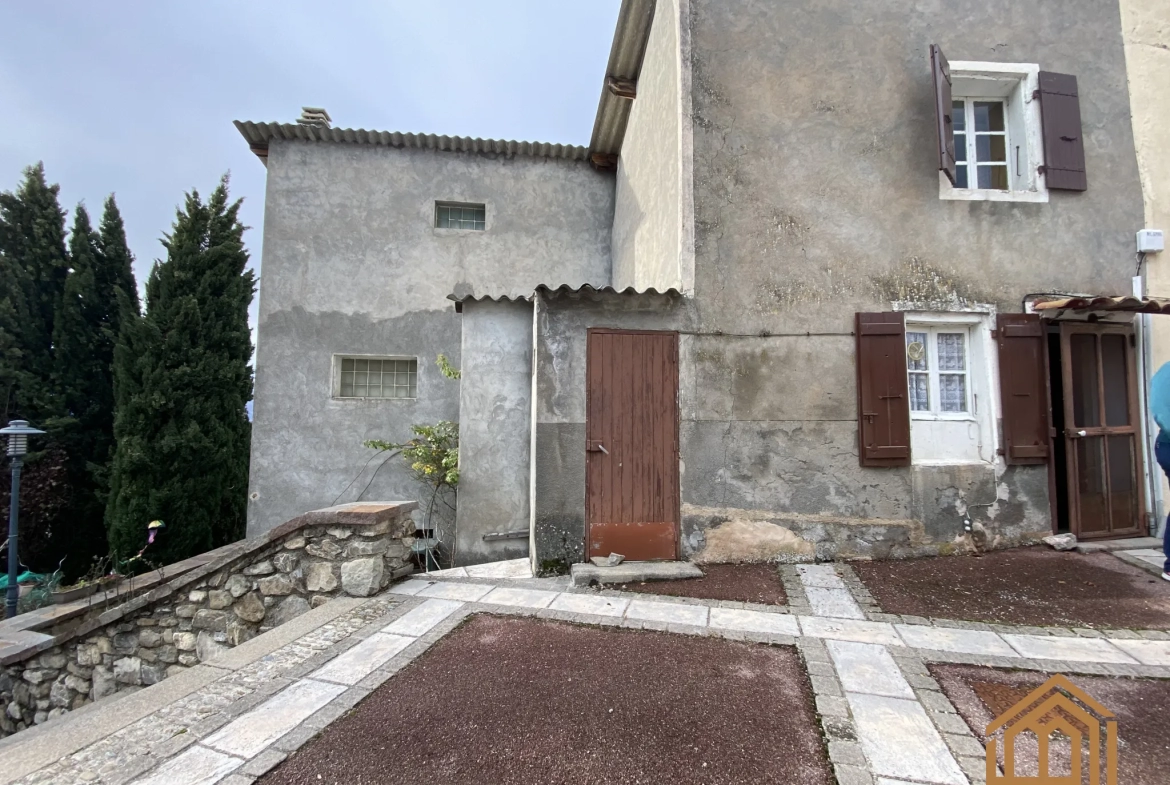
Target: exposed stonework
{"type": "Point", "coordinates": [246, 588]}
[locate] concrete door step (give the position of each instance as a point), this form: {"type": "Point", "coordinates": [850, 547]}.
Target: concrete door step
{"type": "Point", "coordinates": [586, 574]}
{"type": "Point", "coordinates": [1129, 544]}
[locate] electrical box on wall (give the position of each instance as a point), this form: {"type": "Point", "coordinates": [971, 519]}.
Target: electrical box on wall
{"type": "Point", "coordinates": [1150, 241]}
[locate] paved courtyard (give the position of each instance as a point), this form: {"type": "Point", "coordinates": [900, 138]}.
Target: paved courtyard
{"type": "Point", "coordinates": [883, 713]}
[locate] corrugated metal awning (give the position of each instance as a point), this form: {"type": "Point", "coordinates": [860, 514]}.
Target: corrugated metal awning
{"type": "Point", "coordinates": [259, 135]}
{"type": "Point", "coordinates": [1121, 303]}
{"type": "Point", "coordinates": [461, 297]}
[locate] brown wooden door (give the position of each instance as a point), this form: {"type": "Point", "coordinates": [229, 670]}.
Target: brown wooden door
{"type": "Point", "coordinates": [1101, 431]}
{"type": "Point", "coordinates": [631, 459]}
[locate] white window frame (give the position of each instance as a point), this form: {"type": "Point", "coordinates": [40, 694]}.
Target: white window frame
{"type": "Point", "coordinates": [1015, 84]}
{"type": "Point", "coordinates": [335, 377]}
{"type": "Point", "coordinates": [934, 392]}
{"type": "Point", "coordinates": [972, 162]}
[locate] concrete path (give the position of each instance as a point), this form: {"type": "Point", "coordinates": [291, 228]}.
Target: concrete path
{"type": "Point", "coordinates": [885, 717]}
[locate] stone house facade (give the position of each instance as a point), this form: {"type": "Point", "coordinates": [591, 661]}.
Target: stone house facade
{"type": "Point", "coordinates": [820, 286]}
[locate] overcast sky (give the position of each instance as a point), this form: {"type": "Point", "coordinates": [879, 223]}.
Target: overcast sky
{"type": "Point", "coordinates": [137, 97]}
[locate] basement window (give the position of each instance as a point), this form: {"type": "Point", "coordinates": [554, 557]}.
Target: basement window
{"type": "Point", "coordinates": [364, 377]}
{"type": "Point", "coordinates": [449, 215]}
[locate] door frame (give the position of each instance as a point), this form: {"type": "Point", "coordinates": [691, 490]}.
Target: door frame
{"type": "Point", "coordinates": [1136, 427]}
{"type": "Point", "coordinates": [677, 430]}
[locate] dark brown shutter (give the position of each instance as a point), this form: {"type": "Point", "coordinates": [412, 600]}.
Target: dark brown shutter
{"type": "Point", "coordinates": [1064, 147]}
{"type": "Point", "coordinates": [883, 401]}
{"type": "Point", "coordinates": [1023, 388]}
{"type": "Point", "coordinates": [942, 112]}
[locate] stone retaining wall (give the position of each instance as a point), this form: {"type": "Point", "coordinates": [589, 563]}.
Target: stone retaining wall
{"type": "Point", "coordinates": [247, 588]}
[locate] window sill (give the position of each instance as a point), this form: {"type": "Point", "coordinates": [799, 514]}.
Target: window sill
{"type": "Point", "coordinates": [347, 399]}
{"type": "Point", "coordinates": [932, 417]}
{"type": "Point", "coordinates": [948, 192]}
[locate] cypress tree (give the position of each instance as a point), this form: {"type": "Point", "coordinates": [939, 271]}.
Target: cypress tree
{"type": "Point", "coordinates": [182, 378]}
{"type": "Point", "coordinates": [33, 265]}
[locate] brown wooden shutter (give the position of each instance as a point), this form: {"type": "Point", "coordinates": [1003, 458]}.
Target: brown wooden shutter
{"type": "Point", "coordinates": [1023, 388]}
{"type": "Point", "coordinates": [942, 112]}
{"type": "Point", "coordinates": [1064, 147]}
{"type": "Point", "coordinates": [883, 400]}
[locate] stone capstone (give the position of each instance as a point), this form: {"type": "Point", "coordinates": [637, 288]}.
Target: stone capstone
{"type": "Point", "coordinates": [289, 608]}
{"type": "Point", "coordinates": [250, 607]}
{"type": "Point", "coordinates": [321, 576]}
{"type": "Point", "coordinates": [362, 577]}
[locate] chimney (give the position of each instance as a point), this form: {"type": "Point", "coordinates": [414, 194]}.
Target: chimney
{"type": "Point", "coordinates": [315, 116]}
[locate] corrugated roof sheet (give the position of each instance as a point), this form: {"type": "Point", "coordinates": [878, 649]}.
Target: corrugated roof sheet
{"type": "Point", "coordinates": [258, 135]}
{"type": "Point", "coordinates": [1125, 303]}
{"type": "Point", "coordinates": [625, 62]}
{"type": "Point", "coordinates": [558, 290]}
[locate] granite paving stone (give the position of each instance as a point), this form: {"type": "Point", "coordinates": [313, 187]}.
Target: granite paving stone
{"type": "Point", "coordinates": [354, 665]}
{"type": "Point", "coordinates": [950, 639]}
{"type": "Point", "coordinates": [251, 733]}
{"type": "Point", "coordinates": [850, 630]}
{"type": "Point", "coordinates": [468, 592]}
{"type": "Point", "coordinates": [900, 742]}
{"type": "Point", "coordinates": [838, 603]}
{"type": "Point", "coordinates": [754, 621]}
{"type": "Point", "coordinates": [1071, 649]}
{"type": "Point", "coordinates": [667, 612]}
{"type": "Point", "coordinates": [196, 766]}
{"type": "Point", "coordinates": [600, 605]}
{"type": "Point", "coordinates": [524, 598]}
{"type": "Point", "coordinates": [1147, 652]}
{"type": "Point", "coordinates": [420, 620]}
{"type": "Point", "coordinates": [868, 668]}
{"type": "Point", "coordinates": [819, 575]}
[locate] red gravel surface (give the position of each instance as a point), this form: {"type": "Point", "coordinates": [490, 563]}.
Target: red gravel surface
{"type": "Point", "coordinates": [513, 700]}
{"type": "Point", "coordinates": [741, 582]}
{"type": "Point", "coordinates": [1142, 707]}
{"type": "Point", "coordinates": [1036, 586]}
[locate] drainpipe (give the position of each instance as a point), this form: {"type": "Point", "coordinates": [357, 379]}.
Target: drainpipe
{"type": "Point", "coordinates": [1155, 503]}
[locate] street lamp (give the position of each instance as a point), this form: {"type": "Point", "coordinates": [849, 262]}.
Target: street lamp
{"type": "Point", "coordinates": [17, 433]}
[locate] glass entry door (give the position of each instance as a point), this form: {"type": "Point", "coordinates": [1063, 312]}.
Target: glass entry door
{"type": "Point", "coordinates": [1102, 433]}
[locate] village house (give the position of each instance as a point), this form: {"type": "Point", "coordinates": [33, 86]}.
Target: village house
{"type": "Point", "coordinates": [825, 283]}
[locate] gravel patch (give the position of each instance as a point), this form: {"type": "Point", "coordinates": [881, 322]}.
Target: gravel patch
{"type": "Point", "coordinates": [520, 700]}
{"type": "Point", "coordinates": [1030, 586]}
{"type": "Point", "coordinates": [758, 583]}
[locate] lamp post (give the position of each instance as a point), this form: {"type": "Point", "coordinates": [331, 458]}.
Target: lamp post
{"type": "Point", "coordinates": [17, 433]}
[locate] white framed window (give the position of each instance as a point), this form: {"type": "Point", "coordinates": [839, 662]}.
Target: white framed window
{"type": "Point", "coordinates": [952, 373]}
{"type": "Point", "coordinates": [457, 215]}
{"type": "Point", "coordinates": [938, 364]}
{"type": "Point", "coordinates": [364, 377]}
{"type": "Point", "coordinates": [998, 133]}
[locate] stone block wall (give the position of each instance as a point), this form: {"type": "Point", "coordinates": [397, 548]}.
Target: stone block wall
{"type": "Point", "coordinates": [248, 588]}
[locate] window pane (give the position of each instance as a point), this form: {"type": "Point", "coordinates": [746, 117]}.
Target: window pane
{"type": "Point", "coordinates": [1085, 392]}
{"type": "Point", "coordinates": [1123, 484]}
{"type": "Point", "coordinates": [916, 359]}
{"type": "Point", "coordinates": [359, 391]}
{"type": "Point", "coordinates": [951, 352]}
{"type": "Point", "coordinates": [958, 116]}
{"type": "Point", "coordinates": [993, 176]}
{"type": "Point", "coordinates": [1113, 373]}
{"type": "Point", "coordinates": [347, 390]}
{"type": "Point", "coordinates": [952, 390]}
{"type": "Point", "coordinates": [1091, 484]}
{"type": "Point", "coordinates": [960, 147]}
{"type": "Point", "coordinates": [988, 116]}
{"type": "Point", "coordinates": [961, 177]}
{"type": "Point", "coordinates": [347, 365]}
{"type": "Point", "coordinates": [919, 392]}
{"type": "Point", "coordinates": [990, 149]}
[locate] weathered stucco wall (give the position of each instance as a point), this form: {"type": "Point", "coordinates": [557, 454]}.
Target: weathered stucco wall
{"type": "Point", "coordinates": [816, 196]}
{"type": "Point", "coordinates": [353, 264]}
{"type": "Point", "coordinates": [647, 226]}
{"type": "Point", "coordinates": [1146, 30]}
{"type": "Point", "coordinates": [495, 420]}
